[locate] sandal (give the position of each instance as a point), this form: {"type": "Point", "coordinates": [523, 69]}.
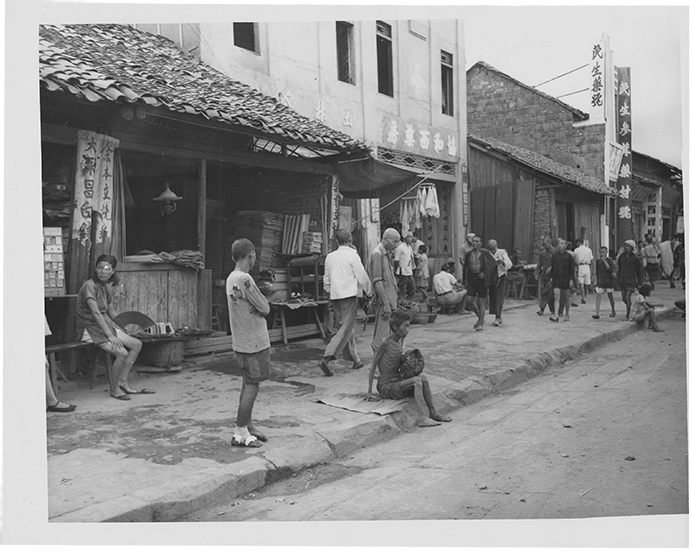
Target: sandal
{"type": "Point", "coordinates": [122, 397]}
{"type": "Point", "coordinates": [144, 391]}
{"type": "Point", "coordinates": [56, 408]}
{"type": "Point", "coordinates": [248, 442]}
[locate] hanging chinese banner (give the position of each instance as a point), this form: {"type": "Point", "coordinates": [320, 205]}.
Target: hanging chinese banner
{"type": "Point", "coordinates": [625, 223]}
{"type": "Point", "coordinates": [597, 83]}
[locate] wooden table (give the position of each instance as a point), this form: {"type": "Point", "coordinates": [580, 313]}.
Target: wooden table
{"type": "Point", "coordinates": [280, 309]}
{"type": "Point", "coordinates": [526, 282]}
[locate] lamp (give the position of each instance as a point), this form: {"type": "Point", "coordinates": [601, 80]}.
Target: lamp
{"type": "Point", "coordinates": [167, 199]}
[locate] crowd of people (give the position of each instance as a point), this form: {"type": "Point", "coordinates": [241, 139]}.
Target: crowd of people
{"type": "Point", "coordinates": [395, 271]}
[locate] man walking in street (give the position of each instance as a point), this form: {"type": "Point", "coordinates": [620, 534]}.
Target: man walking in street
{"type": "Point", "coordinates": [480, 272]}
{"type": "Point", "coordinates": [465, 248]}
{"type": "Point", "coordinates": [542, 275]}
{"type": "Point", "coordinates": [605, 269]}
{"type": "Point", "coordinates": [583, 257]}
{"type": "Point", "coordinates": [497, 292]}
{"type": "Point", "coordinates": [448, 290]}
{"type": "Point", "coordinates": [629, 274]}
{"type": "Point", "coordinates": [651, 259]}
{"type": "Point", "coordinates": [562, 270]}
{"type": "Point", "coordinates": [404, 265]}
{"type": "Point", "coordinates": [383, 284]}
{"type": "Point", "coordinates": [344, 277]}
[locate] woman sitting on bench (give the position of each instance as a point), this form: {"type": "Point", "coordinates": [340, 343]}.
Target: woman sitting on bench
{"type": "Point", "coordinates": [95, 315]}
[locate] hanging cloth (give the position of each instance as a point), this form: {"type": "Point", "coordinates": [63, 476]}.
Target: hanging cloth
{"type": "Point", "coordinates": [432, 207]}
{"type": "Point", "coordinates": [415, 213]}
{"type": "Point", "coordinates": [405, 217]}
{"type": "Point", "coordinates": [366, 212]}
{"type": "Point", "coordinates": [422, 196]}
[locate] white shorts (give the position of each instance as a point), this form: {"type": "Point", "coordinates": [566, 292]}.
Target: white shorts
{"type": "Point", "coordinates": [601, 291]}
{"type": "Point", "coordinates": [584, 275]}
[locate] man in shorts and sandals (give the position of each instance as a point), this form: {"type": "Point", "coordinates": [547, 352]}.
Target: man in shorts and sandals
{"type": "Point", "coordinates": [480, 272]}
{"type": "Point", "coordinates": [390, 385]}
{"type": "Point", "coordinates": [605, 272]}
{"type": "Point", "coordinates": [247, 308]}
{"type": "Point", "coordinates": [583, 257]}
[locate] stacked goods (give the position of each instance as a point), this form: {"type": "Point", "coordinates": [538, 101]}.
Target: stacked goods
{"type": "Point", "coordinates": [53, 262]}
{"type": "Point", "coordinates": [312, 242]}
{"type": "Point", "coordinates": [294, 227]}
{"type": "Point", "coordinates": [189, 258]}
{"type": "Point", "coordinates": [264, 230]}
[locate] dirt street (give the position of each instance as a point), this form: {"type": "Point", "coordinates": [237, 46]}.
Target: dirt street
{"type": "Point", "coordinates": [601, 436]}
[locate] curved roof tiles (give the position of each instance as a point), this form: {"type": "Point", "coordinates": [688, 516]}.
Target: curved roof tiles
{"type": "Point", "coordinates": [118, 63]}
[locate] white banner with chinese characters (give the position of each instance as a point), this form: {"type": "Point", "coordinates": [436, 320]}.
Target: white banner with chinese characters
{"type": "Point", "coordinates": [402, 135]}
{"type": "Point", "coordinates": [597, 69]}
{"type": "Point", "coordinates": [625, 223]}
{"type": "Point", "coordinates": [93, 194]}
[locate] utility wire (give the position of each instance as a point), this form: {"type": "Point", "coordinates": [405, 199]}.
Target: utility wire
{"type": "Point", "coordinates": [570, 93]}
{"type": "Point", "coordinates": [559, 76]}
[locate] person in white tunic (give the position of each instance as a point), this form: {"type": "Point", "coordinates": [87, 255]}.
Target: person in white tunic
{"type": "Point", "coordinates": [344, 279]}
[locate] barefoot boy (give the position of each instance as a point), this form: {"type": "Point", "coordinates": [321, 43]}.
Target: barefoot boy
{"type": "Point", "coordinates": [389, 386]}
{"type": "Point", "coordinates": [642, 310]}
{"type": "Point", "coordinates": [247, 308]}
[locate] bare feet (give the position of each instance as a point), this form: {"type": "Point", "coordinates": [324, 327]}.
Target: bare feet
{"type": "Point", "coordinates": [256, 433]}
{"type": "Point", "coordinates": [427, 422]}
{"type": "Point", "coordinates": [440, 418]}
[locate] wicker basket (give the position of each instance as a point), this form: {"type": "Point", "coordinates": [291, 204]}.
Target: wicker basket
{"type": "Point", "coordinates": [167, 352]}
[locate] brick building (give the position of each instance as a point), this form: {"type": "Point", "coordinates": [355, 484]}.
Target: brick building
{"type": "Point", "coordinates": [511, 114]}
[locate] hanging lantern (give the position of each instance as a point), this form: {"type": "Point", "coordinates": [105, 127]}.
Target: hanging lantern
{"type": "Point", "coordinates": [167, 199]}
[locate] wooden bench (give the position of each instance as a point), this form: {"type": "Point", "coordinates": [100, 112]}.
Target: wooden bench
{"type": "Point", "coordinates": [55, 371]}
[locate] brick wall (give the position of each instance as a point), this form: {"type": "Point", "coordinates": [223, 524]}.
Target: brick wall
{"type": "Point", "coordinates": [502, 109]}
{"type": "Point", "coordinates": [286, 193]}
{"type": "Point", "coordinates": [541, 222]}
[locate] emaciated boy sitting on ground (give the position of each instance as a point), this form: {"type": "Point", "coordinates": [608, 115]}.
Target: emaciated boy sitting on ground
{"type": "Point", "coordinates": [390, 385]}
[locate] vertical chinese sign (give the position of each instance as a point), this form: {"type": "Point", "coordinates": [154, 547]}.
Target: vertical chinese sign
{"type": "Point", "coordinates": [596, 89]}
{"type": "Point", "coordinates": [625, 224]}
{"type": "Point", "coordinates": [92, 218]}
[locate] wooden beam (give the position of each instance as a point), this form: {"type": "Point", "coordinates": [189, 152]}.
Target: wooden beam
{"type": "Point", "coordinates": [176, 148]}
{"type": "Point", "coordinates": [202, 207]}
{"type": "Point", "coordinates": [57, 134]}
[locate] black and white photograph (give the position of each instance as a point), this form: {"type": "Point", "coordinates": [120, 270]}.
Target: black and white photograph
{"type": "Point", "coordinates": [395, 275]}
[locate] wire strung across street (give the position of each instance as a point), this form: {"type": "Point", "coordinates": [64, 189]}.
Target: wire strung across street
{"type": "Point", "coordinates": [559, 76]}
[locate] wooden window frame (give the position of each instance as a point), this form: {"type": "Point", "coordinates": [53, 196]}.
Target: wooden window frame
{"type": "Point", "coordinates": [385, 59]}
{"type": "Point", "coordinates": [255, 37]}
{"type": "Point", "coordinates": [447, 83]}
{"type": "Point", "coordinates": [345, 69]}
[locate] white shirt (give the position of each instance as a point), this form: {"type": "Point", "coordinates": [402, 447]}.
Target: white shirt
{"type": "Point", "coordinates": [404, 255]}
{"type": "Point", "coordinates": [501, 255]}
{"type": "Point", "coordinates": [583, 255]}
{"type": "Point", "coordinates": [344, 274]}
{"type": "Point", "coordinates": [443, 282]}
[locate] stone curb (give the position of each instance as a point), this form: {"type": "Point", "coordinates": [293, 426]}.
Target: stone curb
{"type": "Point", "coordinates": [333, 441]}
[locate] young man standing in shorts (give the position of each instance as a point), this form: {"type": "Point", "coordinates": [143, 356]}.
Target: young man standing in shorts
{"type": "Point", "coordinates": [605, 267]}
{"type": "Point", "coordinates": [480, 272]}
{"type": "Point", "coordinates": [389, 383]}
{"type": "Point", "coordinates": [247, 308]}
{"type": "Point", "coordinates": [562, 270]}
{"type": "Point", "coordinates": [583, 259]}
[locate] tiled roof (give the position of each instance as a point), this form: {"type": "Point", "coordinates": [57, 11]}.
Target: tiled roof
{"type": "Point", "coordinates": [546, 165]}
{"type": "Point", "coordinates": [580, 114]}
{"type": "Point", "coordinates": [118, 63]}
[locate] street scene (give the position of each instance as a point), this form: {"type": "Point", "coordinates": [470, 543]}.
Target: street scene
{"type": "Point", "coordinates": [391, 271]}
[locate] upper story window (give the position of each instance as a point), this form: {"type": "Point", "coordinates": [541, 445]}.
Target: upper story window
{"type": "Point", "coordinates": [344, 52]}
{"type": "Point", "coordinates": [385, 68]}
{"type": "Point", "coordinates": [447, 83]}
{"type": "Point", "coordinates": [245, 36]}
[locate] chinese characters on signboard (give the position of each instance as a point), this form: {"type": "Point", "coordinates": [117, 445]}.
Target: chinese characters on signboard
{"type": "Point", "coordinates": [597, 83]}
{"type": "Point", "coordinates": [93, 196]}
{"type": "Point", "coordinates": [405, 136]}
{"type": "Point", "coordinates": [625, 226]}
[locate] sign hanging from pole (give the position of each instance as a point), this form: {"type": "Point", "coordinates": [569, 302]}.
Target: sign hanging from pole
{"type": "Point", "coordinates": [625, 223]}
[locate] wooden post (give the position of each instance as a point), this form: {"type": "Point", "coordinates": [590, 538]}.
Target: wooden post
{"type": "Point", "coordinates": [202, 207]}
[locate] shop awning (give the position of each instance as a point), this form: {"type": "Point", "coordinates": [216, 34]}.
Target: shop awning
{"type": "Point", "coordinates": [370, 177]}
